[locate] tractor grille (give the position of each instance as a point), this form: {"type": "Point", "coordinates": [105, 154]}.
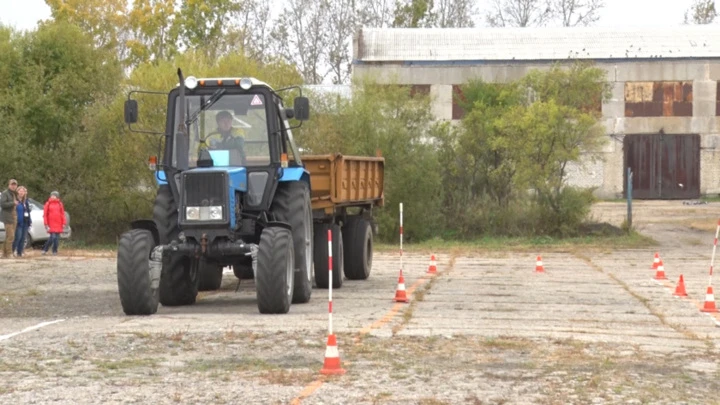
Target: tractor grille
{"type": "Point", "coordinates": [205, 189]}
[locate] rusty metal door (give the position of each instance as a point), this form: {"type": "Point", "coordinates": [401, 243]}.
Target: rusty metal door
{"type": "Point", "coordinates": [664, 166]}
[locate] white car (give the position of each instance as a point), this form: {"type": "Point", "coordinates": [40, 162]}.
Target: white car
{"type": "Point", "coordinates": [37, 233]}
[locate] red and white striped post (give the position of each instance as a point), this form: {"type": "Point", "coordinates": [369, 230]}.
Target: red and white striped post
{"type": "Point", "coordinates": [401, 238]}
{"type": "Point", "coordinates": [709, 305]}
{"type": "Point", "coordinates": [332, 355]}
{"type": "Point", "coordinates": [400, 293]}
{"type": "Point", "coordinates": [712, 258]}
{"type": "Point", "coordinates": [330, 281]}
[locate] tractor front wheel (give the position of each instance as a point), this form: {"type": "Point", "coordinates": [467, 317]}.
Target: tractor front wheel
{"type": "Point", "coordinates": [210, 276]}
{"type": "Point", "coordinates": [137, 285]}
{"type": "Point", "coordinates": [275, 271]}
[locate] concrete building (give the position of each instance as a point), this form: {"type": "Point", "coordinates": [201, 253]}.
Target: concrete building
{"type": "Point", "coordinates": [662, 118]}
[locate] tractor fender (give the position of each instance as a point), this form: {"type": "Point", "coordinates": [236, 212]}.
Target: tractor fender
{"type": "Point", "coordinates": [148, 225]}
{"type": "Point", "coordinates": [295, 174]}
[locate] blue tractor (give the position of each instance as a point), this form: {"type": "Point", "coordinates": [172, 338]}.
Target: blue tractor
{"type": "Point", "coordinates": [232, 191]}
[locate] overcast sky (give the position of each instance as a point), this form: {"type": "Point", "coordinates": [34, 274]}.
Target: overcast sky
{"type": "Point", "coordinates": [24, 14]}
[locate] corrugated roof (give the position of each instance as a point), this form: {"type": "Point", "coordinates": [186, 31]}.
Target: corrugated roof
{"type": "Point", "coordinates": [504, 44]}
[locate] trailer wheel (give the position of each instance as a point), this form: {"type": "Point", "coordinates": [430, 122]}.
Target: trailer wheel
{"type": "Point", "coordinates": [178, 286]}
{"type": "Point", "coordinates": [358, 238]}
{"type": "Point", "coordinates": [321, 256]}
{"type": "Point", "coordinates": [210, 276]}
{"type": "Point", "coordinates": [275, 268]}
{"type": "Point", "coordinates": [292, 205]}
{"type": "Point", "coordinates": [137, 295]}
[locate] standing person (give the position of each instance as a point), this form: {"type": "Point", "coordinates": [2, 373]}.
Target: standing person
{"type": "Point", "coordinates": [8, 202]}
{"type": "Point", "coordinates": [23, 221]}
{"type": "Point", "coordinates": [54, 216]}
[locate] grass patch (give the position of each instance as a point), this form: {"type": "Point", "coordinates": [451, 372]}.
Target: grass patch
{"type": "Point", "coordinates": [125, 364]}
{"type": "Point", "coordinates": [633, 240]}
{"type": "Point", "coordinates": [230, 365]}
{"type": "Point", "coordinates": [289, 378]}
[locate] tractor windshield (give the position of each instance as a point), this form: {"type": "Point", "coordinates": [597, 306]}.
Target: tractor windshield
{"type": "Point", "coordinates": [233, 129]}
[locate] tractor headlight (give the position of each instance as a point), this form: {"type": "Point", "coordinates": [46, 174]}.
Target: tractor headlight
{"type": "Point", "coordinates": [191, 82]}
{"type": "Point", "coordinates": [245, 83]}
{"type": "Point", "coordinates": [214, 213]}
{"type": "Point", "coordinates": [192, 213]}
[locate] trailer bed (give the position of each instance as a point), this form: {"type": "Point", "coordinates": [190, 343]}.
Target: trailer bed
{"type": "Point", "coordinates": [339, 182]}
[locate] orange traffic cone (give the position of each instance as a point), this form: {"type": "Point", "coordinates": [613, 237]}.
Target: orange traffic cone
{"type": "Point", "coordinates": [433, 265]}
{"type": "Point", "coordinates": [332, 358]}
{"type": "Point", "coordinates": [400, 294]}
{"type": "Point", "coordinates": [539, 266]}
{"type": "Point", "coordinates": [656, 261]}
{"type": "Point", "coordinates": [680, 289]}
{"type": "Point", "coordinates": [660, 274]}
{"type": "Point", "coordinates": [709, 301]}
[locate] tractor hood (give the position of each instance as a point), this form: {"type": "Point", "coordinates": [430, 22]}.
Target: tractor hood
{"type": "Point", "coordinates": [237, 176]}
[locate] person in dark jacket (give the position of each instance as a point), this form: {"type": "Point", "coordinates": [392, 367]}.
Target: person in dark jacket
{"type": "Point", "coordinates": [54, 217]}
{"type": "Point", "coordinates": [8, 202]}
{"type": "Point", "coordinates": [23, 222]}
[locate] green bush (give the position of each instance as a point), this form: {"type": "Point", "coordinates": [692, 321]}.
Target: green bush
{"type": "Point", "coordinates": [563, 214]}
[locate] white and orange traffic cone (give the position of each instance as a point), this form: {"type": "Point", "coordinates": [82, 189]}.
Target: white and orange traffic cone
{"type": "Point", "coordinates": [656, 261]}
{"type": "Point", "coordinates": [680, 289]}
{"type": "Point", "coordinates": [432, 269]}
{"type": "Point", "coordinates": [539, 265]}
{"type": "Point", "coordinates": [709, 301]}
{"type": "Point", "coordinates": [660, 274]}
{"type": "Point", "coordinates": [400, 293]}
{"type": "Point", "coordinates": [331, 366]}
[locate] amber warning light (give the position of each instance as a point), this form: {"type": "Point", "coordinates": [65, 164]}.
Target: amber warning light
{"type": "Point", "coordinates": [152, 162]}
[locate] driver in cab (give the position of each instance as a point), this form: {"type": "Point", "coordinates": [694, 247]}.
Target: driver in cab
{"type": "Point", "coordinates": [226, 137]}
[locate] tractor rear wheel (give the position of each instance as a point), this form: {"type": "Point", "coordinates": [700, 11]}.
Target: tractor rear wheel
{"type": "Point", "coordinates": [292, 205]}
{"type": "Point", "coordinates": [138, 292]}
{"type": "Point", "coordinates": [178, 284]}
{"type": "Point", "coordinates": [358, 239]}
{"type": "Point", "coordinates": [322, 278]}
{"type": "Point", "coordinates": [275, 271]}
{"type": "Point", "coordinates": [210, 276]}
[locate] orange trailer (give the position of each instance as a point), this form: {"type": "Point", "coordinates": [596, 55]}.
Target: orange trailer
{"type": "Point", "coordinates": [344, 191]}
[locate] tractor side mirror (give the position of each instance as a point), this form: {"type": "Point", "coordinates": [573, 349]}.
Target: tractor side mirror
{"type": "Point", "coordinates": [289, 113]}
{"type": "Point", "coordinates": [301, 108]}
{"type": "Point", "coordinates": [131, 111]}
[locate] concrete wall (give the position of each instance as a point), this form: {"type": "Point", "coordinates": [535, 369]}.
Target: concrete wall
{"type": "Point", "coordinates": [607, 174]}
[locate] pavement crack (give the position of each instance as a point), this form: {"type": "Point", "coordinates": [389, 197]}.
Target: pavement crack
{"type": "Point", "coordinates": [418, 295]}
{"type": "Point", "coordinates": [646, 303]}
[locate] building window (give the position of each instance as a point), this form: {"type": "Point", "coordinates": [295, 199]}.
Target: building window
{"type": "Point", "coordinates": [658, 99]}
{"type": "Point", "coordinates": [419, 90]}
{"type": "Point", "coordinates": [457, 95]}
{"type": "Point", "coordinates": [717, 100]}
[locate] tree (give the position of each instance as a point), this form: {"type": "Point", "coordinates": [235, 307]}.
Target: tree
{"type": "Point", "coordinates": [572, 13]}
{"type": "Point", "coordinates": [701, 12]}
{"type": "Point", "coordinates": [454, 13]}
{"type": "Point", "coordinates": [203, 24]}
{"type": "Point", "coordinates": [154, 35]}
{"type": "Point", "coordinates": [106, 21]}
{"type": "Point", "coordinates": [376, 13]}
{"type": "Point", "coordinates": [388, 118]}
{"type": "Point", "coordinates": [528, 13]}
{"type": "Point", "coordinates": [413, 13]}
{"type": "Point", "coordinates": [519, 13]}
{"type": "Point", "coordinates": [508, 143]}
{"type": "Point", "coordinates": [256, 27]}
{"type": "Point", "coordinates": [342, 20]}
{"type": "Point", "coordinates": [300, 36]}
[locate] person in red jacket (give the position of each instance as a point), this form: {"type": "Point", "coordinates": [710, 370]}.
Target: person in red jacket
{"type": "Point", "coordinates": [54, 215]}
